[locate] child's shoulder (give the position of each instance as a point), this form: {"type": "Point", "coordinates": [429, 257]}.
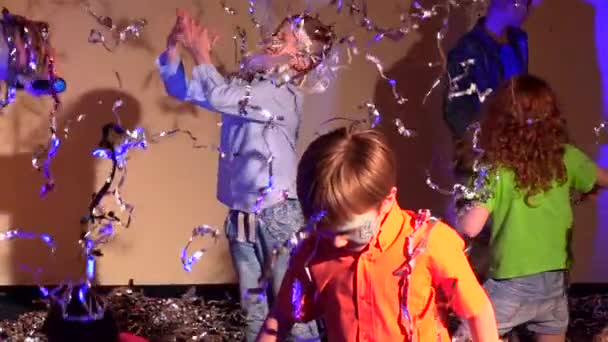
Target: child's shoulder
{"type": "Point", "coordinates": [442, 233]}
{"type": "Point", "coordinates": [443, 241]}
{"type": "Point", "coordinates": [571, 150]}
{"type": "Point", "coordinates": [439, 232]}
{"type": "Point", "coordinates": [441, 237]}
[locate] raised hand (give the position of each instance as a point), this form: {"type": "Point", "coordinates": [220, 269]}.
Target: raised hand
{"type": "Point", "coordinates": [173, 39]}
{"type": "Point", "coordinates": [195, 37]}
{"type": "Point", "coordinates": [174, 35]}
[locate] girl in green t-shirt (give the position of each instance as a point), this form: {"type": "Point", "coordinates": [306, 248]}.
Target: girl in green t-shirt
{"type": "Point", "coordinates": [532, 170]}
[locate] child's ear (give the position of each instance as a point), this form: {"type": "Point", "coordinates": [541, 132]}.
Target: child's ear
{"type": "Point", "coordinates": [392, 196]}
{"type": "Point", "coordinates": [389, 201]}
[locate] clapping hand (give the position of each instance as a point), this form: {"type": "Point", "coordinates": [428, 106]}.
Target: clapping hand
{"type": "Point", "coordinates": [193, 36]}
{"type": "Point", "coordinates": [173, 39]}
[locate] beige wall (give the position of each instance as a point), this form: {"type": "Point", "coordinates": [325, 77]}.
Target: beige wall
{"type": "Point", "coordinates": [173, 185]}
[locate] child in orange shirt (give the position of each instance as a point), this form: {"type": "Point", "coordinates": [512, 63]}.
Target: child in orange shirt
{"type": "Point", "coordinates": [372, 271]}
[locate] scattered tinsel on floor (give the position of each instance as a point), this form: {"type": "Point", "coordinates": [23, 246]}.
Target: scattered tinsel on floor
{"type": "Point", "coordinates": [159, 319]}
{"type": "Point", "coordinates": [25, 329]}
{"type": "Point", "coordinates": [177, 319]}
{"type": "Point", "coordinates": [192, 319]}
{"type": "Point", "coordinates": [588, 316]}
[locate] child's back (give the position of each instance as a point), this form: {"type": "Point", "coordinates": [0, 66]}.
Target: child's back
{"type": "Point", "coordinates": [540, 227]}
{"type": "Point", "coordinates": [532, 172]}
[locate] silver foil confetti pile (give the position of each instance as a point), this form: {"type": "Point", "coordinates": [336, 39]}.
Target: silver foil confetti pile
{"type": "Point", "coordinates": [192, 319]}
{"type": "Point", "coordinates": [188, 318]}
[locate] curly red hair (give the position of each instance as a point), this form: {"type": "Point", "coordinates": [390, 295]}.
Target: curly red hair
{"type": "Point", "coordinates": [523, 130]}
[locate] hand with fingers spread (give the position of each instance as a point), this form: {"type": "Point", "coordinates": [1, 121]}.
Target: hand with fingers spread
{"type": "Point", "coordinates": [195, 38]}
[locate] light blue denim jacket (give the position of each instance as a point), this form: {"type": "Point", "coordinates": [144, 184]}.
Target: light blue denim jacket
{"type": "Point", "coordinates": [269, 127]}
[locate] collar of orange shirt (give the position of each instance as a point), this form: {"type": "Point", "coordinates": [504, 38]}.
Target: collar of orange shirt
{"type": "Point", "coordinates": [392, 226]}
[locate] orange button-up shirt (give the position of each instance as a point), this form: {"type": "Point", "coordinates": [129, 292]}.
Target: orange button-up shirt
{"type": "Point", "coordinates": [359, 295]}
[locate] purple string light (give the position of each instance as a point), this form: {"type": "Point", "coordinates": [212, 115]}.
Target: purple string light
{"type": "Point", "coordinates": [99, 223]}
{"type": "Point", "coordinates": [53, 142]}
{"type": "Point", "coordinates": [16, 234]}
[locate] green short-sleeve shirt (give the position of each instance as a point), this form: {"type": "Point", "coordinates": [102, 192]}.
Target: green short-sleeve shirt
{"type": "Point", "coordinates": [533, 239]}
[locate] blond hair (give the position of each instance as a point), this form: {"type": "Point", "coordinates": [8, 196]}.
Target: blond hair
{"type": "Point", "coordinates": [344, 173]}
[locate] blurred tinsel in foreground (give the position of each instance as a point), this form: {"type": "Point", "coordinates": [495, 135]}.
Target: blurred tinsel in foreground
{"type": "Point", "coordinates": [188, 318]}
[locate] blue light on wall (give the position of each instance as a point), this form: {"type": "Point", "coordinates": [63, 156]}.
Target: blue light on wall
{"type": "Point", "coordinates": [601, 41]}
{"type": "Point", "coordinates": [59, 85]}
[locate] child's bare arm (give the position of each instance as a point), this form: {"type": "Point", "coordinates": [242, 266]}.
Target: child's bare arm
{"type": "Point", "coordinates": [472, 222]}
{"type": "Point", "coordinates": [483, 325]}
{"type": "Point", "coordinates": [600, 184]}
{"type": "Point", "coordinates": [602, 177]}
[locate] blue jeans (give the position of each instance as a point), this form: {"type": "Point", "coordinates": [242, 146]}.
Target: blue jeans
{"type": "Point", "coordinates": [539, 302]}
{"type": "Point", "coordinates": [252, 240]}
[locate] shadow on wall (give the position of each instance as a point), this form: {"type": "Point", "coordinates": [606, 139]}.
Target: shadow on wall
{"type": "Point", "coordinates": [431, 149]}
{"type": "Point", "coordinates": [74, 170]}
{"type": "Point", "coordinates": [566, 29]}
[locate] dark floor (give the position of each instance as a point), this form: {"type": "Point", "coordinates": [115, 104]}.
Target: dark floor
{"type": "Point", "coordinates": [159, 313]}
{"type": "Point", "coordinates": [17, 300]}
{"type": "Point", "coordinates": [212, 312]}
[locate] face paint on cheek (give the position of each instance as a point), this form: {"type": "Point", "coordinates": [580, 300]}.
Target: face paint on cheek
{"type": "Point", "coordinates": [363, 235]}
{"type": "Point", "coordinates": [367, 231]}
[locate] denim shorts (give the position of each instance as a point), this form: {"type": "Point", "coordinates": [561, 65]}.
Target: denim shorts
{"type": "Point", "coordinates": [538, 301]}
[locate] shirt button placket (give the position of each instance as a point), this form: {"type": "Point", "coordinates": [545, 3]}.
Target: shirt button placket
{"type": "Point", "coordinates": [364, 289]}
{"type": "Point", "coordinates": [370, 264]}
